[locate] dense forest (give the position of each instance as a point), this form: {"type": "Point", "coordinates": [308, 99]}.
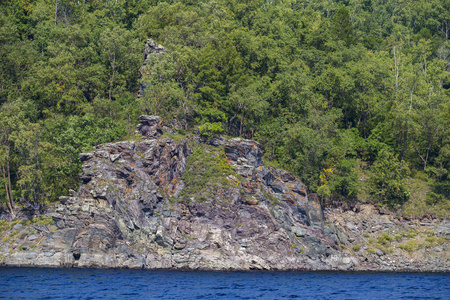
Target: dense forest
{"type": "Point", "coordinates": [352, 96]}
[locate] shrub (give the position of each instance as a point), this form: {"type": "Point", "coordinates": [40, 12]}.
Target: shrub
{"type": "Point", "coordinates": [4, 225]}
{"type": "Point", "coordinates": [339, 183]}
{"type": "Point", "coordinates": [409, 246]}
{"type": "Point", "coordinates": [387, 181]}
{"type": "Point", "coordinates": [385, 238]}
{"type": "Point", "coordinates": [434, 198]}
{"type": "Point", "coordinates": [43, 220]}
{"type": "Point", "coordinates": [211, 122]}
{"type": "Point", "coordinates": [210, 129]}
{"type": "Point", "coordinates": [412, 233]}
{"type": "Point", "coordinates": [356, 247]}
{"type": "Point", "coordinates": [205, 170]}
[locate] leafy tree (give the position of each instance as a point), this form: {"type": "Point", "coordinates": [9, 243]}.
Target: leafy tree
{"type": "Point", "coordinates": [10, 120]}
{"type": "Point", "coordinates": [121, 54]}
{"type": "Point", "coordinates": [343, 27]}
{"type": "Point", "coordinates": [388, 179]}
{"type": "Point", "coordinates": [323, 85]}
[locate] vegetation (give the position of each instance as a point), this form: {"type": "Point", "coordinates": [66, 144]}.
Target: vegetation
{"type": "Point", "coordinates": [351, 96]}
{"type": "Point", "coordinates": [356, 247]}
{"type": "Point", "coordinates": [208, 172]}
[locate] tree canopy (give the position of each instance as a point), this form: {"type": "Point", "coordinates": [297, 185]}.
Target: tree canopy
{"type": "Point", "coordinates": [351, 96]}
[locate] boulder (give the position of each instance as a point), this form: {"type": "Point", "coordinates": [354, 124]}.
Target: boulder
{"type": "Point", "coordinates": [241, 148]}
{"type": "Point", "coordinates": [153, 47]}
{"type": "Point", "coordinates": [85, 156]}
{"type": "Point", "coordinates": [150, 47]}
{"type": "Point", "coordinates": [150, 126]}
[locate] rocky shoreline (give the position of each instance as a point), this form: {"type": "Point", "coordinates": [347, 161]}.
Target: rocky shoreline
{"type": "Point", "coordinates": [168, 201]}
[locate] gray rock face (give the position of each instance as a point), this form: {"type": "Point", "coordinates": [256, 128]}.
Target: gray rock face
{"type": "Point", "coordinates": [150, 47]}
{"type": "Point", "coordinates": [245, 149]}
{"type": "Point", "coordinates": [443, 228]}
{"type": "Point", "coordinates": [130, 212]}
{"type": "Point", "coordinates": [150, 126]}
{"type": "Point", "coordinates": [272, 185]}
{"type": "Point", "coordinates": [385, 241]}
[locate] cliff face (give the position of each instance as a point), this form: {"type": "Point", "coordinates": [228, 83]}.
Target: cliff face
{"type": "Point", "coordinates": [130, 212]}
{"type": "Point", "coordinates": [168, 203]}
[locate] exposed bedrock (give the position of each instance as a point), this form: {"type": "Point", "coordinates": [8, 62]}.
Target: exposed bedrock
{"type": "Point", "coordinates": [130, 212]}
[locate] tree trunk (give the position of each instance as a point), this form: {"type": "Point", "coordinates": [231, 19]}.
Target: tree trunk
{"type": "Point", "coordinates": [36, 154]}
{"type": "Point", "coordinates": [230, 122]}
{"type": "Point", "coordinates": [9, 176]}
{"type": "Point", "coordinates": [397, 69]}
{"type": "Point", "coordinates": [113, 67]}
{"type": "Point", "coordinates": [56, 12]}
{"type": "Point", "coordinates": [8, 201]}
{"type": "Point", "coordinates": [242, 121]}
{"type": "Point", "coordinates": [424, 159]}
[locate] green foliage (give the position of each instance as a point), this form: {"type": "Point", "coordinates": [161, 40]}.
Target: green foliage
{"type": "Point", "coordinates": [343, 27]}
{"type": "Point", "coordinates": [67, 138]}
{"type": "Point", "coordinates": [385, 239]}
{"type": "Point", "coordinates": [272, 199]}
{"type": "Point", "coordinates": [210, 129]}
{"type": "Point", "coordinates": [211, 122]}
{"type": "Point", "coordinates": [409, 246]}
{"type": "Point", "coordinates": [434, 198]}
{"type": "Point", "coordinates": [41, 220]}
{"type": "Point", "coordinates": [4, 225]}
{"type": "Point", "coordinates": [340, 183]}
{"type": "Point", "coordinates": [356, 247]}
{"type": "Point", "coordinates": [206, 172]}
{"type": "Point", "coordinates": [388, 179]}
{"type": "Point", "coordinates": [321, 84]}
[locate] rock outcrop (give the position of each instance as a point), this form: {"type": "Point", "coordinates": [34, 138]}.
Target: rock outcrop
{"type": "Point", "coordinates": [150, 47]}
{"type": "Point", "coordinates": [246, 158]}
{"type": "Point", "coordinates": [132, 211]}
{"type": "Point", "coordinates": [128, 213]}
{"type": "Point", "coordinates": [150, 126]}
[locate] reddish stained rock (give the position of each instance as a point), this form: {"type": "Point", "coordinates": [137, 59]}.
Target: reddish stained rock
{"type": "Point", "coordinates": [150, 126]}
{"type": "Point", "coordinates": [286, 176]}
{"type": "Point", "coordinates": [240, 148]}
{"type": "Point", "coordinates": [250, 186]}
{"type": "Point", "coordinates": [289, 198]}
{"type": "Point", "coordinates": [250, 201]}
{"type": "Point", "coordinates": [303, 191]}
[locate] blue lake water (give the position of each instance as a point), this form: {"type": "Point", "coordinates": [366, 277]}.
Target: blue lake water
{"type": "Point", "coordinates": [38, 283]}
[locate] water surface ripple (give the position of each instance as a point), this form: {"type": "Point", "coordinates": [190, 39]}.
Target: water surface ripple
{"type": "Point", "coordinates": [41, 283]}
